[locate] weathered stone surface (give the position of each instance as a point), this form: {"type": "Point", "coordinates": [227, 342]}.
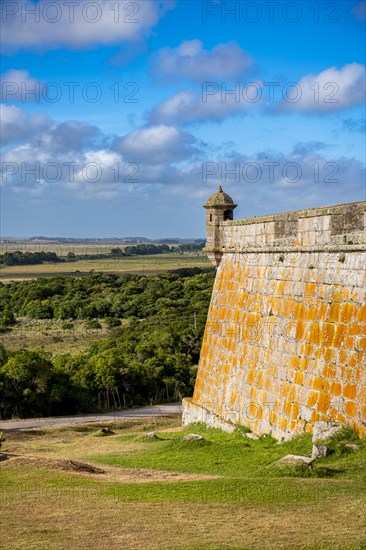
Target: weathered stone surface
{"type": "Point", "coordinates": [319, 451]}
{"type": "Point", "coordinates": [293, 459]}
{"type": "Point", "coordinates": [151, 435]}
{"type": "Point", "coordinates": [219, 209]}
{"type": "Point", "coordinates": [352, 446]}
{"type": "Point", "coordinates": [192, 437]}
{"type": "Point", "coordinates": [322, 431]}
{"type": "Point", "coordinates": [284, 345]}
{"type": "Point", "coordinates": [249, 435]}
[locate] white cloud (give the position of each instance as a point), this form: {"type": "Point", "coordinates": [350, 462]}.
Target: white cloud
{"type": "Point", "coordinates": [19, 86]}
{"type": "Point", "coordinates": [267, 182]}
{"type": "Point", "coordinates": [273, 181]}
{"type": "Point", "coordinates": [166, 158]}
{"type": "Point", "coordinates": [331, 90]}
{"type": "Point", "coordinates": [157, 144]}
{"type": "Point", "coordinates": [212, 103]}
{"type": "Point", "coordinates": [191, 61]}
{"type": "Point", "coordinates": [16, 125]}
{"type": "Point", "coordinates": [48, 25]}
{"type": "Point", "coordinates": [44, 133]}
{"type": "Point", "coordinates": [81, 160]}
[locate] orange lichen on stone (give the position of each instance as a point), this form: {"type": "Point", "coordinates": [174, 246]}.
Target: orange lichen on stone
{"type": "Point", "coordinates": [273, 416]}
{"type": "Point", "coordinates": [300, 311]}
{"type": "Point", "coordinates": [350, 391]}
{"type": "Point", "coordinates": [338, 295]}
{"type": "Point", "coordinates": [253, 392]}
{"type": "Point", "coordinates": [334, 312]}
{"type": "Point", "coordinates": [283, 424]}
{"type": "Point", "coordinates": [233, 399]}
{"type": "Point", "coordinates": [329, 332]}
{"type": "Point", "coordinates": [315, 334]}
{"type": "Point", "coordinates": [339, 336]}
{"type": "Point", "coordinates": [308, 349]}
{"type": "Point", "coordinates": [221, 314]}
{"type": "Point", "coordinates": [317, 383]}
{"type": "Point", "coordinates": [310, 289]}
{"type": "Point", "coordinates": [349, 343]}
{"type": "Point", "coordinates": [328, 355]}
{"type": "Point", "coordinates": [299, 377]}
{"type": "Point", "coordinates": [289, 308]}
{"type": "Point", "coordinates": [251, 376]}
{"type": "Point", "coordinates": [268, 384]}
{"type": "Point", "coordinates": [347, 313]}
{"type": "Point", "coordinates": [312, 399]}
{"type": "Point", "coordinates": [361, 343]}
{"type": "Point", "coordinates": [311, 313]}
{"type": "Point", "coordinates": [280, 286]}
{"type": "Point", "coordinates": [304, 363]}
{"type": "Point", "coordinates": [285, 388]}
{"type": "Point", "coordinates": [295, 410]}
{"type": "Point", "coordinates": [272, 369]}
{"type": "Point", "coordinates": [358, 374]}
{"type": "Point", "coordinates": [287, 407]}
{"type": "Point", "coordinates": [330, 371]}
{"type": "Point", "coordinates": [324, 402]}
{"type": "Point", "coordinates": [322, 311]}
{"type": "Point", "coordinates": [351, 408]}
{"type": "Point", "coordinates": [260, 380]}
{"type": "Point", "coordinates": [300, 329]}
{"type": "Point", "coordinates": [361, 316]}
{"type": "Point", "coordinates": [292, 393]}
{"type": "Point", "coordinates": [226, 368]}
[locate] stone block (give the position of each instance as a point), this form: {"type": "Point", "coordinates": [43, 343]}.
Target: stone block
{"type": "Point", "coordinates": [293, 459]}
{"type": "Point", "coordinates": [322, 431]}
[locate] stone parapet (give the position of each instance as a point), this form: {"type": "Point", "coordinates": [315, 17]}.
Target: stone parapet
{"type": "Point", "coordinates": [340, 225]}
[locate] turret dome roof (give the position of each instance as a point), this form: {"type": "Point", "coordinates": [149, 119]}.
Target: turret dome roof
{"type": "Point", "coordinates": [220, 199]}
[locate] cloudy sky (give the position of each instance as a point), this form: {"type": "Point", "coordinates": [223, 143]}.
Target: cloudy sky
{"type": "Point", "coordinates": [119, 118]}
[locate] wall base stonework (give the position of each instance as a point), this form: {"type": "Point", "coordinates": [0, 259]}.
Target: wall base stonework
{"type": "Point", "coordinates": [195, 413]}
{"type": "Point", "coordinates": [285, 338]}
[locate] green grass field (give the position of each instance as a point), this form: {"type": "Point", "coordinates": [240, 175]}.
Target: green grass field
{"type": "Point", "coordinates": [67, 488]}
{"type": "Point", "coordinates": [144, 265]}
{"type": "Point", "coordinates": [49, 335]}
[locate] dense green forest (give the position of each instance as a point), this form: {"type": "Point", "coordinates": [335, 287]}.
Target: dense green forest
{"type": "Point", "coordinates": [156, 322]}
{"type": "Point", "coordinates": [31, 258]}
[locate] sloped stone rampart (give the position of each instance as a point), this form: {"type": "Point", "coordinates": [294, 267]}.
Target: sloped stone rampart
{"type": "Point", "coordinates": [285, 338]}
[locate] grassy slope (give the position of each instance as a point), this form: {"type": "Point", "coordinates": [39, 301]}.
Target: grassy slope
{"type": "Point", "coordinates": [251, 505]}
{"type": "Point", "coordinates": [49, 335]}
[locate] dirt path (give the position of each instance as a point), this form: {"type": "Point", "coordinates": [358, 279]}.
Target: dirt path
{"type": "Point", "coordinates": [128, 414]}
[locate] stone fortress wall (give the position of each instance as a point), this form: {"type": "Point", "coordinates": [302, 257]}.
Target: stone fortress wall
{"type": "Point", "coordinates": [285, 338]}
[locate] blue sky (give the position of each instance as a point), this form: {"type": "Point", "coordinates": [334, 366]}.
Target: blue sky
{"type": "Point", "coordinates": [131, 123]}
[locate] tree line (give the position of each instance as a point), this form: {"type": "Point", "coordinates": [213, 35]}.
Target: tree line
{"type": "Point", "coordinates": [151, 357]}
{"type": "Point", "coordinates": [31, 258]}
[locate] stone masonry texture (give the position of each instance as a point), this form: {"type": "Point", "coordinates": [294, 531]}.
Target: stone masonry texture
{"type": "Point", "coordinates": [285, 338]}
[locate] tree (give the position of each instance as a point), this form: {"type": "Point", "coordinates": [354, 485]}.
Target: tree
{"type": "Point", "coordinates": [24, 380]}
